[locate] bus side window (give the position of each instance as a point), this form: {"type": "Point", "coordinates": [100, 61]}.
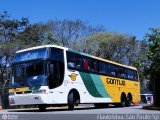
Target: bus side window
{"type": "Point", "coordinates": [121, 72]}
{"type": "Point", "coordinates": [102, 67]}
{"type": "Point", "coordinates": [85, 64]}
{"type": "Point", "coordinates": [71, 64]}
{"type": "Point", "coordinates": [111, 70]}
{"type": "Point", "coordinates": [79, 62]}
{"type": "Point", "coordinates": [93, 65]}
{"type": "Point", "coordinates": [70, 60]}
{"type": "Point", "coordinates": [130, 74]}
{"type": "Point", "coordinates": [57, 54]}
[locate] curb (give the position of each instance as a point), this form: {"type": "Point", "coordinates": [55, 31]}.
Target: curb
{"type": "Point", "coordinates": [151, 107]}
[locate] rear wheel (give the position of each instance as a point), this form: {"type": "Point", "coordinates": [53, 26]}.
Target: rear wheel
{"type": "Point", "coordinates": [123, 103]}
{"type": "Point", "coordinates": [129, 101]}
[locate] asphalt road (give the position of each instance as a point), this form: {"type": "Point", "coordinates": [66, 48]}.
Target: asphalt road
{"type": "Point", "coordinates": [82, 113]}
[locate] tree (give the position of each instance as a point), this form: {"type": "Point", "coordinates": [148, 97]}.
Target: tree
{"type": "Point", "coordinates": [111, 46]}
{"type": "Point", "coordinates": [9, 29]}
{"type": "Point", "coordinates": [142, 63]}
{"type": "Point", "coordinates": [69, 32]}
{"type": "Point", "coordinates": [49, 38]}
{"type": "Point", "coordinates": [153, 40]}
{"type": "Point", "coordinates": [32, 35]}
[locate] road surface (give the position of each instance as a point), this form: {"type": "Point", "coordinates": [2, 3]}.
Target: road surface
{"type": "Point", "coordinates": [82, 113]}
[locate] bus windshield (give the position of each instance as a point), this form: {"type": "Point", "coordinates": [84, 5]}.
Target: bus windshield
{"type": "Point", "coordinates": [29, 74]}
{"type": "Point", "coordinates": [30, 67]}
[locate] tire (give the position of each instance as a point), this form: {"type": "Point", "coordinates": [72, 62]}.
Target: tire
{"type": "Point", "coordinates": [42, 108]}
{"type": "Point", "coordinates": [128, 101]}
{"type": "Point", "coordinates": [123, 101]}
{"type": "Point", "coordinates": [71, 101]}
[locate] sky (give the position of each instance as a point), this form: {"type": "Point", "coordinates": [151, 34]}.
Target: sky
{"type": "Point", "coordinates": [132, 17]}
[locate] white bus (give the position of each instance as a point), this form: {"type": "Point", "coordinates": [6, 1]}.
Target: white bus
{"type": "Point", "coordinates": [54, 76]}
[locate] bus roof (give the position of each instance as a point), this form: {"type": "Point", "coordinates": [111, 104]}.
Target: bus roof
{"type": "Point", "coordinates": [81, 53]}
{"type": "Point", "coordinates": [38, 47]}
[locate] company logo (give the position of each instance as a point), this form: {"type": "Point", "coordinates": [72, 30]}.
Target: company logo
{"type": "Point", "coordinates": [115, 81]}
{"type": "Point", "coordinates": [73, 76]}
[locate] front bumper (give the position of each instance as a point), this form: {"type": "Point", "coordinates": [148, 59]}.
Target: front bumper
{"type": "Point", "coordinates": [28, 99]}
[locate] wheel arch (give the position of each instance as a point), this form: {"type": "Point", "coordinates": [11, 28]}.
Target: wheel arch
{"type": "Point", "coordinates": [123, 95]}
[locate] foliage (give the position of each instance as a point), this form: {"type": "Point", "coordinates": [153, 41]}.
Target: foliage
{"type": "Point", "coordinates": [69, 32]}
{"type": "Point", "coordinates": [153, 55]}
{"type": "Point", "coordinates": [111, 46]}
{"type": "Point", "coordinates": [153, 39]}
{"type": "Point", "coordinates": [31, 36]}
{"type": "Point", "coordinates": [9, 29]}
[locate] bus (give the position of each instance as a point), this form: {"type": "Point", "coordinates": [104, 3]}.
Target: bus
{"type": "Point", "coordinates": [51, 75]}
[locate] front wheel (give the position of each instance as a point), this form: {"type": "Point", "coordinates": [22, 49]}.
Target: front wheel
{"type": "Point", "coordinates": [71, 101]}
{"type": "Point", "coordinates": [122, 102]}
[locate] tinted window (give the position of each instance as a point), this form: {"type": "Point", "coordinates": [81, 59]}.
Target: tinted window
{"type": "Point", "coordinates": [103, 68]}
{"type": "Point", "coordinates": [70, 60]}
{"type": "Point", "coordinates": [76, 61]}
{"type": "Point", "coordinates": [57, 54]}
{"type": "Point", "coordinates": [34, 69]}
{"type": "Point", "coordinates": [94, 65]}
{"type": "Point", "coordinates": [131, 74]}
{"type": "Point", "coordinates": [86, 64]}
{"type": "Point", "coordinates": [112, 69]}
{"type": "Point", "coordinates": [121, 72]}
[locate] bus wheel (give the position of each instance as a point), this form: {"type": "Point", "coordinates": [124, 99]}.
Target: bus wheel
{"type": "Point", "coordinates": [129, 101]}
{"type": "Point", "coordinates": [123, 101]}
{"type": "Point", "coordinates": [42, 108]}
{"type": "Point", "coordinates": [71, 101]}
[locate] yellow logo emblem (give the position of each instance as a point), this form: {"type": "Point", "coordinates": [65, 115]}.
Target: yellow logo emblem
{"type": "Point", "coordinates": [73, 76]}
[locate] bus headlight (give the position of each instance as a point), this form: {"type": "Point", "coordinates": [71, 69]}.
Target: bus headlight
{"type": "Point", "coordinates": [39, 91]}
{"type": "Point", "coordinates": [11, 101]}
